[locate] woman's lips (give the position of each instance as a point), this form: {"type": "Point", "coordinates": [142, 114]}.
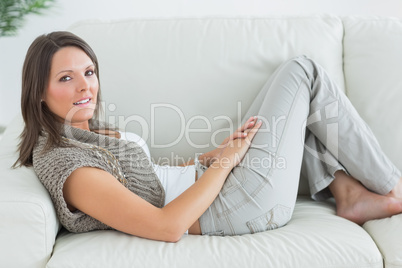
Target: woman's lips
{"type": "Point", "coordinates": [82, 102]}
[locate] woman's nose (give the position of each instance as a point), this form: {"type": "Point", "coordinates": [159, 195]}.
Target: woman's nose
{"type": "Point", "coordinates": [83, 83]}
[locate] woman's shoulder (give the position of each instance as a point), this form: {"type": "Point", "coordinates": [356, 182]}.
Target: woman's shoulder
{"type": "Point", "coordinates": [67, 153]}
{"type": "Point", "coordinates": [54, 165]}
{"type": "Point", "coordinates": [44, 147]}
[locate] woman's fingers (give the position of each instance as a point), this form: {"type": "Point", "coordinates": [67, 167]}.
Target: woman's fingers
{"type": "Point", "coordinates": [251, 132]}
{"type": "Point", "coordinates": [248, 134]}
{"type": "Point", "coordinates": [236, 149]}
{"type": "Point", "coordinates": [249, 124]}
{"type": "Point", "coordinates": [238, 135]}
{"type": "Point", "coordinates": [241, 132]}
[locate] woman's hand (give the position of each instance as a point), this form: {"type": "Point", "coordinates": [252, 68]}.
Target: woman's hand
{"type": "Point", "coordinates": [238, 144]}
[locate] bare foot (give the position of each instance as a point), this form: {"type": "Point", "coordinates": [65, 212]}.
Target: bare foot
{"type": "Point", "coordinates": [397, 191]}
{"type": "Point", "coordinates": [363, 206]}
{"type": "Point", "coordinates": [354, 202]}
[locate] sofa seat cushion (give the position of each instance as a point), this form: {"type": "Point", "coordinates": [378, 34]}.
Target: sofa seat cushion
{"type": "Point", "coordinates": [315, 237]}
{"type": "Point", "coordinates": [387, 234]}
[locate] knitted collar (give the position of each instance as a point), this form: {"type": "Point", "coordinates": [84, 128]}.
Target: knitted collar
{"type": "Point", "coordinates": [86, 136]}
{"type": "Point", "coordinates": [123, 150]}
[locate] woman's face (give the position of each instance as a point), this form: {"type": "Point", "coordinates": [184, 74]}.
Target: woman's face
{"type": "Point", "coordinates": [73, 87]}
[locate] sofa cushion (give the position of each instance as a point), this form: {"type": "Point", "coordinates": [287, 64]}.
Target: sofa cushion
{"type": "Point", "coordinates": [179, 82]}
{"type": "Point", "coordinates": [28, 231]}
{"type": "Point", "coordinates": [373, 66]}
{"type": "Point", "coordinates": [315, 237]}
{"type": "Point", "coordinates": [387, 234]}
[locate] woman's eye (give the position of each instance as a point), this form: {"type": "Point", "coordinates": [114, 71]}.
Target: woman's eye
{"type": "Point", "coordinates": [65, 79]}
{"type": "Point", "coordinates": [89, 73]}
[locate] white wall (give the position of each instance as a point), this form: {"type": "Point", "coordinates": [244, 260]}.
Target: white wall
{"type": "Point", "coordinates": [66, 12]}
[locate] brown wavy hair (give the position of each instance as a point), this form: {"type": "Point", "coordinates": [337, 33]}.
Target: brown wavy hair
{"type": "Point", "coordinates": [35, 78]}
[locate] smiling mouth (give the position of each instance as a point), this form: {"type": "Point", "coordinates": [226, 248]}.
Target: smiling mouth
{"type": "Point", "coordinates": [82, 102]}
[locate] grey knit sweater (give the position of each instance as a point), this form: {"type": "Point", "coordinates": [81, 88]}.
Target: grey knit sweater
{"type": "Point", "coordinates": [125, 160]}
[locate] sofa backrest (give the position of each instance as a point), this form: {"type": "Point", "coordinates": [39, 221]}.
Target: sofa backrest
{"type": "Point", "coordinates": [373, 75]}
{"type": "Point", "coordinates": [176, 82]}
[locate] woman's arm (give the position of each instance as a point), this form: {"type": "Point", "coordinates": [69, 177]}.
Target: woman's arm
{"type": "Point", "coordinates": [98, 194]}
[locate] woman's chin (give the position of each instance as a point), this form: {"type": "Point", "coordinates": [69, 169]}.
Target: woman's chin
{"type": "Point", "coordinates": [80, 114]}
{"type": "Point", "coordinates": [79, 120]}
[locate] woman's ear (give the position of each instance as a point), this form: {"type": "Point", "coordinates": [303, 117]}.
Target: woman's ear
{"type": "Point", "coordinates": [43, 97]}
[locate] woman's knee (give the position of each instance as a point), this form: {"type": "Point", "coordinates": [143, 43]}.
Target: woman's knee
{"type": "Point", "coordinates": [300, 68]}
{"type": "Point", "coordinates": [303, 65]}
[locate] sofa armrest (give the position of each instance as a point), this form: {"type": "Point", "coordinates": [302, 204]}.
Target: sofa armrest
{"type": "Point", "coordinates": [28, 225]}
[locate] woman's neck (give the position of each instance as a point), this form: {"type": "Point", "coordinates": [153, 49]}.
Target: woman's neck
{"type": "Point", "coordinates": [81, 125]}
{"type": "Point", "coordinates": [108, 132]}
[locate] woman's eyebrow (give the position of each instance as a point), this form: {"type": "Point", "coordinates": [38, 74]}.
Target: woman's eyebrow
{"type": "Point", "coordinates": [64, 71]}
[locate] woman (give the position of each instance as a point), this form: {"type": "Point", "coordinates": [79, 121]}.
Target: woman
{"type": "Point", "coordinates": [99, 181]}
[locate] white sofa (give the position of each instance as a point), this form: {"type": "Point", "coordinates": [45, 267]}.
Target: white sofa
{"type": "Point", "coordinates": [193, 76]}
